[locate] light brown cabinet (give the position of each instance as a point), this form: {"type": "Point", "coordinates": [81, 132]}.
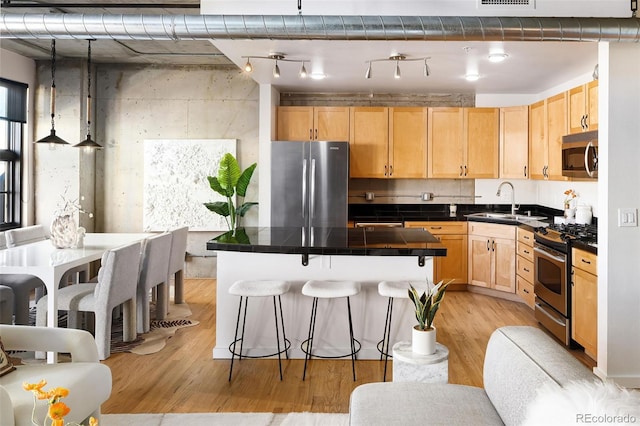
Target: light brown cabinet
{"type": "Point", "coordinates": [492, 256]}
{"type": "Point", "coordinates": [388, 142]}
{"type": "Point", "coordinates": [514, 142]}
{"type": "Point", "coordinates": [583, 107]}
{"type": "Point", "coordinates": [584, 301]}
{"type": "Point", "coordinates": [302, 123]}
{"type": "Point", "coordinates": [452, 235]}
{"type": "Point", "coordinates": [463, 143]}
{"type": "Point", "coordinates": [547, 125]}
{"type": "Point", "coordinates": [524, 267]}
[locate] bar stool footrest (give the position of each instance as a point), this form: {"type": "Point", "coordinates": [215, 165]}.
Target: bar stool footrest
{"type": "Point", "coordinates": [305, 344]}
{"type": "Point", "coordinates": [285, 350]}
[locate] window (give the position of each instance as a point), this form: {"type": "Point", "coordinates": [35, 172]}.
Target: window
{"type": "Point", "coordinates": [13, 116]}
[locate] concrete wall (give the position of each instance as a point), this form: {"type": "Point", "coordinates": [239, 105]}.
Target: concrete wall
{"type": "Point", "coordinates": [131, 104]}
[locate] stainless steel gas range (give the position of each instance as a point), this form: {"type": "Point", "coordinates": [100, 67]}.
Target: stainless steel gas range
{"type": "Point", "coordinates": [552, 284]}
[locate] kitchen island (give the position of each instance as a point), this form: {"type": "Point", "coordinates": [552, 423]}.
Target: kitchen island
{"type": "Point", "coordinates": [365, 255]}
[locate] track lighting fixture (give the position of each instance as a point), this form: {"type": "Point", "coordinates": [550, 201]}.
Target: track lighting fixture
{"type": "Point", "coordinates": [397, 59]}
{"type": "Point", "coordinates": [52, 139]}
{"type": "Point", "coordinates": [89, 144]}
{"type": "Point", "coordinates": [277, 57]}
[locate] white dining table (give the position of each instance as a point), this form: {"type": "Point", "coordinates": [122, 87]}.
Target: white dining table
{"type": "Point", "coordinates": [49, 263]}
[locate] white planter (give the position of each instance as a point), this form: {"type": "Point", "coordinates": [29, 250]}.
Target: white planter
{"type": "Point", "coordinates": [424, 342]}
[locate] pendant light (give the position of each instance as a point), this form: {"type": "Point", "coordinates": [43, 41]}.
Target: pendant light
{"type": "Point", "coordinates": [52, 138]}
{"type": "Point", "coordinates": [88, 144]}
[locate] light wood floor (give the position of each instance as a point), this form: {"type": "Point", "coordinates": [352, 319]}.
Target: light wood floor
{"type": "Point", "coordinates": [183, 377]}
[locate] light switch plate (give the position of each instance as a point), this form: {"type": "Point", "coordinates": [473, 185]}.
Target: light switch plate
{"type": "Point", "coordinates": [627, 217]}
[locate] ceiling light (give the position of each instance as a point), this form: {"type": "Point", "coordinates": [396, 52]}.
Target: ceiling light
{"type": "Point", "coordinates": [88, 144]}
{"type": "Point", "coordinates": [397, 58]}
{"type": "Point", "coordinates": [248, 67]}
{"type": "Point", "coordinates": [52, 139]}
{"type": "Point", "coordinates": [277, 57]}
{"type": "Point", "coordinates": [472, 77]}
{"type": "Point", "coordinates": [318, 76]}
{"type": "Point", "coordinates": [276, 70]}
{"type": "Point", "coordinates": [497, 57]}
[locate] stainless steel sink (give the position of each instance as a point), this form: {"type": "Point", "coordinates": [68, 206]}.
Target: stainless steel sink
{"type": "Point", "coordinates": [505, 216]}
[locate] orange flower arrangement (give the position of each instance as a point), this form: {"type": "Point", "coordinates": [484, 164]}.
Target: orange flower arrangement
{"type": "Point", "coordinates": [570, 194]}
{"type": "Point", "coordinates": [57, 409]}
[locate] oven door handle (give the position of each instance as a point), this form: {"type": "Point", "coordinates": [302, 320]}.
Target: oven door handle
{"type": "Point", "coordinates": [547, 254]}
{"type": "Point", "coordinates": [540, 308]}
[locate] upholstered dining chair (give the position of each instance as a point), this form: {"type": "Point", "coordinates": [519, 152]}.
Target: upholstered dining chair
{"type": "Point", "coordinates": [176, 262]}
{"type": "Point", "coordinates": [6, 305]}
{"type": "Point", "coordinates": [117, 285]}
{"type": "Point", "coordinates": [153, 273]}
{"type": "Point", "coordinates": [21, 285]}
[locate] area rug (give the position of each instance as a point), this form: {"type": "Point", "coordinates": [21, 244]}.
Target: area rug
{"type": "Point", "coordinates": [160, 331]}
{"type": "Point", "coordinates": [226, 419]}
{"type": "Point", "coordinates": [148, 343]}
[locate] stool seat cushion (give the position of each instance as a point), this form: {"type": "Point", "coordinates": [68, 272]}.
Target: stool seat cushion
{"type": "Point", "coordinates": [330, 289]}
{"type": "Point", "coordinates": [400, 289]}
{"type": "Point", "coordinates": [259, 288]}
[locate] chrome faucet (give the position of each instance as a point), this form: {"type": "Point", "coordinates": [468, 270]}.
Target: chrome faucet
{"type": "Point", "coordinates": [513, 195]}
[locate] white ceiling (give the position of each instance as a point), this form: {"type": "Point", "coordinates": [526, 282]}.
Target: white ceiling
{"type": "Point", "coordinates": [531, 67]}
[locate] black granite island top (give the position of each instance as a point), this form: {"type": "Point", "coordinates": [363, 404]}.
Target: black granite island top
{"type": "Point", "coordinates": [331, 241]}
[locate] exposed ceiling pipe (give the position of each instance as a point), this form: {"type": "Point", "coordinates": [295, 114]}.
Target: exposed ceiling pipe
{"type": "Point", "coordinates": [298, 27]}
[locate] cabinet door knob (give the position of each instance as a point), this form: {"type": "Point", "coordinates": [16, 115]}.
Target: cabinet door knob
{"type": "Point", "coordinates": [316, 134]}
{"type": "Point", "coordinates": [385, 170]}
{"type": "Point", "coordinates": [391, 170]}
{"type": "Point", "coordinates": [488, 245]}
{"type": "Point", "coordinates": [525, 171]}
{"type": "Point", "coordinates": [465, 170]}
{"type": "Point", "coordinates": [460, 170]}
{"type": "Point", "coordinates": [310, 134]}
{"type": "Point", "coordinates": [525, 290]}
{"type": "Point", "coordinates": [586, 261]}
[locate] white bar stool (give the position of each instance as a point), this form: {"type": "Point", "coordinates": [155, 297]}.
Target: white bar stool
{"type": "Point", "coordinates": [394, 290]}
{"type": "Point", "coordinates": [329, 290]}
{"type": "Point", "coordinates": [258, 288]}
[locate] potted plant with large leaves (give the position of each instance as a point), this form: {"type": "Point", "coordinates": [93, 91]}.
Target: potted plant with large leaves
{"type": "Point", "coordinates": [426, 306]}
{"type": "Point", "coordinates": [231, 181]}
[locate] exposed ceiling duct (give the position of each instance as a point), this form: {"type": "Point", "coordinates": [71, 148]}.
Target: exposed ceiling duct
{"type": "Point", "coordinates": [299, 27]}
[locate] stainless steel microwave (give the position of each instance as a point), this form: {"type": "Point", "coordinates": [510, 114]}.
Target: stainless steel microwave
{"type": "Point", "coordinates": [580, 155]}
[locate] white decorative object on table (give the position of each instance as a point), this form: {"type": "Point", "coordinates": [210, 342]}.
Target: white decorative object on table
{"type": "Point", "coordinates": [64, 231]}
{"type": "Point", "coordinates": [80, 237]}
{"type": "Point", "coordinates": [583, 215]}
{"type": "Point", "coordinates": [409, 366]}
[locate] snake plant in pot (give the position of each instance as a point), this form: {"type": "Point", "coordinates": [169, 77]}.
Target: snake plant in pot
{"type": "Point", "coordinates": [426, 306]}
{"type": "Point", "coordinates": [229, 182]}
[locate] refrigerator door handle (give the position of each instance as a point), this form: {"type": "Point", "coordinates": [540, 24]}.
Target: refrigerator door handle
{"type": "Point", "coordinates": [312, 204]}
{"type": "Point", "coordinates": [304, 189]}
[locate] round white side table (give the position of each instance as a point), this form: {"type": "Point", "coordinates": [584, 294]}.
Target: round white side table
{"type": "Point", "coordinates": [411, 367]}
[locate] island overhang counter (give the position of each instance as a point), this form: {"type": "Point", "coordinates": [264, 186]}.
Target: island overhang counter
{"type": "Point", "coordinates": [365, 255]}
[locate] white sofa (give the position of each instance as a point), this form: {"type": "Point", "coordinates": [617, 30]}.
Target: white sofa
{"type": "Point", "coordinates": [88, 381]}
{"type": "Point", "coordinates": [518, 361]}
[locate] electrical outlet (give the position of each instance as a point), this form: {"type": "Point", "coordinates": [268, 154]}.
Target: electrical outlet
{"type": "Point", "coordinates": [627, 217]}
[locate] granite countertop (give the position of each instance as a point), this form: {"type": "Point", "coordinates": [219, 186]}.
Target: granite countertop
{"type": "Point", "coordinates": [331, 241]}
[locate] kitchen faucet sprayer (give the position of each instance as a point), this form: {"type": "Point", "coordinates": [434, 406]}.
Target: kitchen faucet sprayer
{"type": "Point", "coordinates": [513, 195]}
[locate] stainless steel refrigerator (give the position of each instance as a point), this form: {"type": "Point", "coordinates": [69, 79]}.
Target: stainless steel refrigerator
{"type": "Point", "coordinates": [309, 183]}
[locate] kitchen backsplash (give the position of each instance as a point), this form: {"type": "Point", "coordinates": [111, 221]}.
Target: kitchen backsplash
{"type": "Point", "coordinates": [469, 191]}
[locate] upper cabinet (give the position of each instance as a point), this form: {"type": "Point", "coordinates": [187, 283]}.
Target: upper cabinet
{"type": "Point", "coordinates": [583, 107]}
{"type": "Point", "coordinates": [514, 142]}
{"type": "Point", "coordinates": [388, 142]}
{"type": "Point", "coordinates": [369, 142]}
{"type": "Point", "coordinates": [547, 125]}
{"type": "Point", "coordinates": [302, 123]}
{"type": "Point", "coordinates": [408, 142]}
{"type": "Point", "coordinates": [463, 142]}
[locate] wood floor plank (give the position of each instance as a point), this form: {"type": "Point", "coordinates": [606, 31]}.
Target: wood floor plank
{"type": "Point", "coordinates": [183, 377]}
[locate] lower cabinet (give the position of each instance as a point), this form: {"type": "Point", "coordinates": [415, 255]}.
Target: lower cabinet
{"type": "Point", "coordinates": [524, 267]}
{"type": "Point", "coordinates": [584, 302]}
{"type": "Point", "coordinates": [492, 256]}
{"type": "Point", "coordinates": [452, 235]}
